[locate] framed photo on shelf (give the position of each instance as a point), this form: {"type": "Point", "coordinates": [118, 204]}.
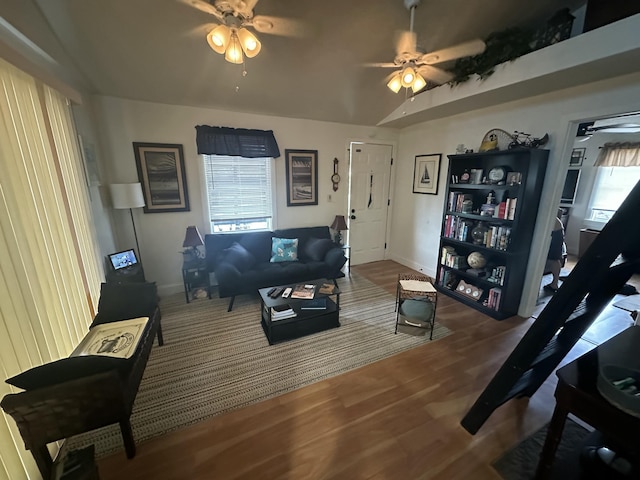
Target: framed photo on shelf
{"type": "Point", "coordinates": [426, 173]}
{"type": "Point", "coordinates": [162, 175]}
{"type": "Point", "coordinates": [302, 177]}
{"type": "Point", "coordinates": [514, 178]}
{"type": "Point", "coordinates": [577, 156]}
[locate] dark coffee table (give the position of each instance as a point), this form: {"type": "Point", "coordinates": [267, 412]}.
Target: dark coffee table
{"type": "Point", "coordinates": [305, 322]}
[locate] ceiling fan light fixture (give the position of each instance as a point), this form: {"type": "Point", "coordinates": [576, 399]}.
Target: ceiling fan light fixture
{"type": "Point", "coordinates": [419, 83]}
{"type": "Point", "coordinates": [218, 38]}
{"type": "Point", "coordinates": [395, 84]}
{"type": "Point", "coordinates": [408, 77]}
{"type": "Point", "coordinates": [234, 51]}
{"type": "Point", "coordinates": [249, 42]}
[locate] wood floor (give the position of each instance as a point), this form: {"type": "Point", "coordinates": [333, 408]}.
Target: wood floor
{"type": "Point", "coordinates": [398, 418]}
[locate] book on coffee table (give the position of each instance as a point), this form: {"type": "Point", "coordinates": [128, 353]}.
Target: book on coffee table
{"type": "Point", "coordinates": [303, 291]}
{"type": "Point", "coordinates": [314, 304]}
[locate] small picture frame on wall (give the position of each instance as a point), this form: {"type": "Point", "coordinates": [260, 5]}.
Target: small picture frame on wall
{"type": "Point", "coordinates": [162, 175]}
{"type": "Point", "coordinates": [426, 173]}
{"type": "Point", "coordinates": [302, 177]}
{"type": "Point", "coordinates": [577, 156]}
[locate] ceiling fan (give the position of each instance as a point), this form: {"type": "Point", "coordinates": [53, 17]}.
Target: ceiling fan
{"type": "Point", "coordinates": [231, 36]}
{"type": "Point", "coordinates": [414, 66]}
{"type": "Point", "coordinates": [629, 123]}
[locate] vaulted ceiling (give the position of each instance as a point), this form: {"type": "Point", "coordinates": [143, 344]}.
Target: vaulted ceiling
{"type": "Point", "coordinates": [155, 50]}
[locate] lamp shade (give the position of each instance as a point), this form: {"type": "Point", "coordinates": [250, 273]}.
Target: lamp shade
{"type": "Point", "coordinates": [127, 195]}
{"type": "Point", "coordinates": [339, 223]}
{"type": "Point", "coordinates": [192, 238]}
{"type": "Point", "coordinates": [250, 44]}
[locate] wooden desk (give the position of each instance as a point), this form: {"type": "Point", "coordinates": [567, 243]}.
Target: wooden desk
{"type": "Point", "coordinates": [577, 393]}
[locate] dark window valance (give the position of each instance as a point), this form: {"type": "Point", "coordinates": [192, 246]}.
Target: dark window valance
{"type": "Point", "coordinates": [241, 142]}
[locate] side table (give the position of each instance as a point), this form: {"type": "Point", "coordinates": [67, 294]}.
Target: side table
{"type": "Point", "coordinates": [195, 276]}
{"type": "Point", "coordinates": [577, 393]}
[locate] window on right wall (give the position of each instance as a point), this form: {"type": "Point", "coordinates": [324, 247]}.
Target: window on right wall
{"type": "Point", "coordinates": [611, 187]}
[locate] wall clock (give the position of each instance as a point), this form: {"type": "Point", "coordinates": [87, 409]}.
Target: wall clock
{"type": "Point", "coordinates": [335, 178]}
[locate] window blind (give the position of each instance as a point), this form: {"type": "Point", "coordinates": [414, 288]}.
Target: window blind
{"type": "Point", "coordinates": [238, 188]}
{"type": "Point", "coordinates": [49, 271]}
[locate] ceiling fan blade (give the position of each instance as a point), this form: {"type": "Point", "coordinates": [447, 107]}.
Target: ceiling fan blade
{"type": "Point", "coordinates": [434, 74]}
{"type": "Point", "coordinates": [203, 6]}
{"type": "Point", "coordinates": [286, 27]}
{"type": "Point", "coordinates": [467, 49]}
{"type": "Point", "coordinates": [406, 43]}
{"type": "Point", "coordinates": [382, 65]}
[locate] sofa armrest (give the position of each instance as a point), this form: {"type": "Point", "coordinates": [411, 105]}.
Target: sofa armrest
{"type": "Point", "coordinates": [335, 258]}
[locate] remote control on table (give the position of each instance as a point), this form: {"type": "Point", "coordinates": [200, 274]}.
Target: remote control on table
{"type": "Point", "coordinates": [270, 292]}
{"type": "Point", "coordinates": [276, 292]}
{"type": "Point", "coordinates": [286, 293]}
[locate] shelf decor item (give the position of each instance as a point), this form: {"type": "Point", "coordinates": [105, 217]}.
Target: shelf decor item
{"type": "Point", "coordinates": [469, 290]}
{"type": "Point", "coordinates": [476, 260]}
{"type": "Point", "coordinates": [302, 177]}
{"type": "Point", "coordinates": [426, 173]}
{"type": "Point", "coordinates": [479, 233]}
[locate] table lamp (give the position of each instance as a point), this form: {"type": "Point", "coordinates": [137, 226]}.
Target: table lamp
{"type": "Point", "coordinates": [192, 239]}
{"type": "Point", "coordinates": [339, 224]}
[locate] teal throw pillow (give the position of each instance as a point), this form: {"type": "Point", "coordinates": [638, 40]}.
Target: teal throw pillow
{"type": "Point", "coordinates": [284, 250]}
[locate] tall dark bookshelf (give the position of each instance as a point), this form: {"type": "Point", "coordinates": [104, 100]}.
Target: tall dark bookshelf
{"type": "Point", "coordinates": [507, 242]}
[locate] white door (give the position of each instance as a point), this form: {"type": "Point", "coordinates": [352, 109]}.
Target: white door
{"type": "Point", "coordinates": [369, 178]}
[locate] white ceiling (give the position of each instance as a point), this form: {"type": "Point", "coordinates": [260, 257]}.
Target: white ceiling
{"type": "Point", "coordinates": [155, 50]}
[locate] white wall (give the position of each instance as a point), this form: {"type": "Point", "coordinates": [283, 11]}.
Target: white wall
{"type": "Point", "coordinates": [161, 234]}
{"type": "Point", "coordinates": [416, 218]}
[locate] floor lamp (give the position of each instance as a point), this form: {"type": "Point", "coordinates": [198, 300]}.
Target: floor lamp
{"type": "Point", "coordinates": [128, 195]}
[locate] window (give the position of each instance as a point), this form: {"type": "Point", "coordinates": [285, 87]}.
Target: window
{"type": "Point", "coordinates": [611, 187]}
{"type": "Point", "coordinates": [239, 193]}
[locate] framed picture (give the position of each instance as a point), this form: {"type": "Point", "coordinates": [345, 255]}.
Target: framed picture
{"type": "Point", "coordinates": [302, 177]}
{"type": "Point", "coordinates": [426, 173]}
{"type": "Point", "coordinates": [162, 175]}
{"type": "Point", "coordinates": [514, 178]}
{"type": "Point", "coordinates": [577, 155]}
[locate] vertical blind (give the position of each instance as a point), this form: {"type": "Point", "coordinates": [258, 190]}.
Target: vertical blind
{"type": "Point", "coordinates": [50, 271]}
{"type": "Point", "coordinates": [238, 188]}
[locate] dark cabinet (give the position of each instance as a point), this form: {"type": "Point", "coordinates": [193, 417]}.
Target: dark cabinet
{"type": "Point", "coordinates": [487, 227]}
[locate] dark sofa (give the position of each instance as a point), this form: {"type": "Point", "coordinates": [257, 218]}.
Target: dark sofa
{"type": "Point", "coordinates": [242, 261]}
{"type": "Point", "coordinates": [80, 393]}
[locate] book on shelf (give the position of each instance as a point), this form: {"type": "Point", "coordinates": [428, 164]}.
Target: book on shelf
{"type": "Point", "coordinates": [314, 304]}
{"type": "Point", "coordinates": [303, 291]}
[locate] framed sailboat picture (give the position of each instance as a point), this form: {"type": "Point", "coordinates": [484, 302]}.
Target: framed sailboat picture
{"type": "Point", "coordinates": [426, 173]}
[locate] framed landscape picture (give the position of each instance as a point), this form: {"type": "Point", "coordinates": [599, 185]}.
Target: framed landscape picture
{"type": "Point", "coordinates": [162, 175]}
{"type": "Point", "coordinates": [302, 177]}
{"type": "Point", "coordinates": [426, 173]}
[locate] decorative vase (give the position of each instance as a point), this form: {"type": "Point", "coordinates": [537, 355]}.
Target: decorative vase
{"type": "Point", "coordinates": [479, 233]}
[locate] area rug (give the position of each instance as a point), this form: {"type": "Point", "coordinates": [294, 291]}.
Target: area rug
{"type": "Point", "coordinates": [521, 461]}
{"type": "Point", "coordinates": [214, 361]}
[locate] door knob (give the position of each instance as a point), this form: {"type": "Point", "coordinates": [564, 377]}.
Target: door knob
{"type": "Point", "coordinates": [353, 217]}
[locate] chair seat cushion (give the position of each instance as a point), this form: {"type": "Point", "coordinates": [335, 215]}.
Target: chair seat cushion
{"type": "Point", "coordinates": [421, 309]}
